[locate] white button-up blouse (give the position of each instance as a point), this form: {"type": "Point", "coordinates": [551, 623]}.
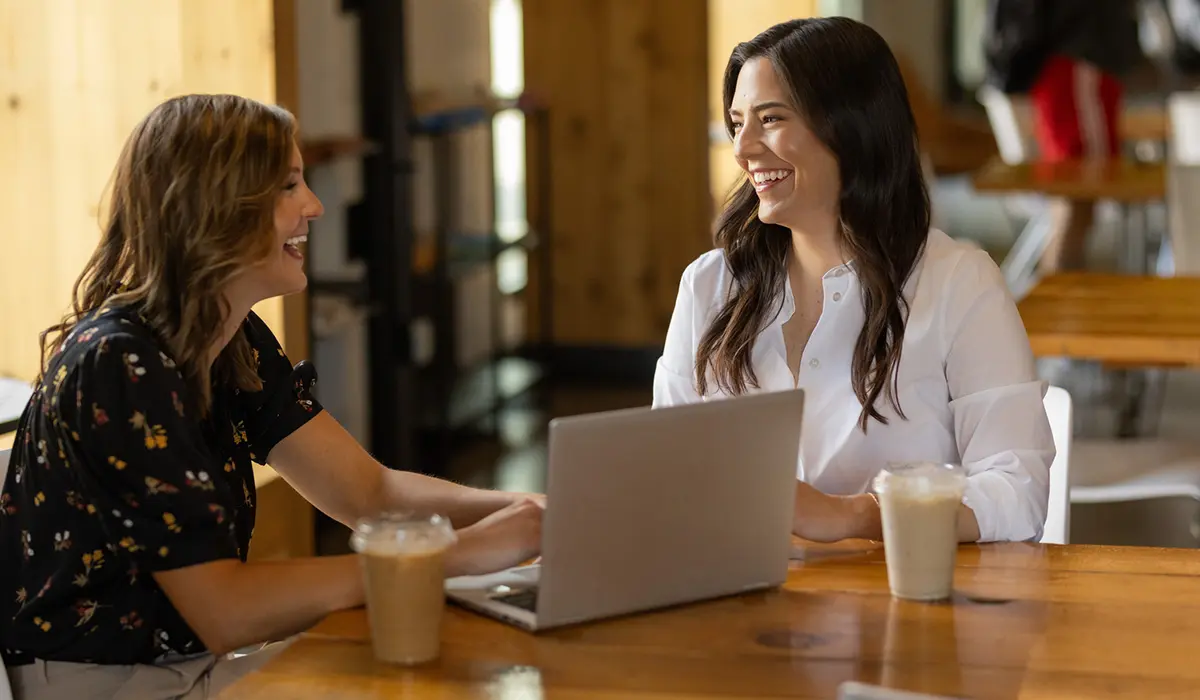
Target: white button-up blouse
{"type": "Point", "coordinates": [967, 383]}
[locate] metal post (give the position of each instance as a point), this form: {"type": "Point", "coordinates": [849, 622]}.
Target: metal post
{"type": "Point", "coordinates": [387, 216]}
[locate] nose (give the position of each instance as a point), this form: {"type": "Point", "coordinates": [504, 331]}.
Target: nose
{"type": "Point", "coordinates": [747, 142]}
{"type": "Point", "coordinates": [313, 208]}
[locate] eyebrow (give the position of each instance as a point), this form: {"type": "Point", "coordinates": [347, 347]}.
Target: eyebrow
{"type": "Point", "coordinates": [761, 106]}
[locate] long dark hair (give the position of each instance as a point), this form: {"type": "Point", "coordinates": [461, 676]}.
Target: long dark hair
{"type": "Point", "coordinates": [845, 82]}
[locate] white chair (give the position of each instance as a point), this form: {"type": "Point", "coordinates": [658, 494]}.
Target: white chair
{"type": "Point", "coordinates": [1183, 116]}
{"type": "Point", "coordinates": [1011, 119]}
{"type": "Point", "coordinates": [1103, 470]}
{"type": "Point", "coordinates": [1058, 513]}
{"type": "Point", "coordinates": [1183, 179]}
{"type": "Point", "coordinates": [1148, 481]}
{"type": "Point", "coordinates": [1110, 471]}
{"type": "Point", "coordinates": [1135, 470]}
{"type": "Point", "coordinates": [5, 690]}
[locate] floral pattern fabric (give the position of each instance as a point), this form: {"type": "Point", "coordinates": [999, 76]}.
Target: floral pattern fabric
{"type": "Point", "coordinates": [112, 479]}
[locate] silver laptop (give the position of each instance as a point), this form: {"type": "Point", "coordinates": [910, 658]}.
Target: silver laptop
{"type": "Point", "coordinates": [854, 690]}
{"type": "Point", "coordinates": [653, 508]}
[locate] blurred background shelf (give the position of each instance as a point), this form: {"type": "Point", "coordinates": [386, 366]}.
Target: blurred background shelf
{"type": "Point", "coordinates": [471, 253]}
{"type": "Point", "coordinates": [322, 151]}
{"type": "Point", "coordinates": [465, 251]}
{"type": "Point", "coordinates": [475, 394]}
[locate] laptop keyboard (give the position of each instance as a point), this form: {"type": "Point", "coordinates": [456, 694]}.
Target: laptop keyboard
{"type": "Point", "coordinates": [526, 599]}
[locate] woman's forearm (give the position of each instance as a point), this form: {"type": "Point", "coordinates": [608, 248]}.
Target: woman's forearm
{"type": "Point", "coordinates": [231, 604]}
{"type": "Point", "coordinates": [327, 466]}
{"type": "Point", "coordinates": [463, 505]}
{"type": "Point", "coordinates": [863, 511]}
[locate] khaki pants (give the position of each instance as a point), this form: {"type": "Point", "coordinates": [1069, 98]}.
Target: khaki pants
{"type": "Point", "coordinates": [192, 678]}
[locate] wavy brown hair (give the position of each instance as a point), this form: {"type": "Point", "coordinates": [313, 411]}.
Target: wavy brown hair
{"type": "Point", "coordinates": [191, 206]}
{"type": "Point", "coordinates": [845, 82]}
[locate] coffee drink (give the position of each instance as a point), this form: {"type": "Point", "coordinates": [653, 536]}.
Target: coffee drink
{"type": "Point", "coordinates": [403, 563]}
{"type": "Point", "coordinates": [919, 504]}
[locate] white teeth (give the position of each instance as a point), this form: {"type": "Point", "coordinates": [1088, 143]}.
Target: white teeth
{"type": "Point", "coordinates": [769, 175]}
{"type": "Point", "coordinates": [297, 240]}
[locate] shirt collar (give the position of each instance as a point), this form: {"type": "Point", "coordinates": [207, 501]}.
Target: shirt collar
{"type": "Point", "coordinates": [788, 302]}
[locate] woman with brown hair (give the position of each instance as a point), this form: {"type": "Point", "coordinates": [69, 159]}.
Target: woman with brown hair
{"type": "Point", "coordinates": [128, 510]}
{"type": "Point", "coordinates": [828, 277]}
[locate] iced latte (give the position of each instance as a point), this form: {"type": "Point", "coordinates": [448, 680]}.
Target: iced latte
{"type": "Point", "coordinates": [404, 573]}
{"type": "Point", "coordinates": [919, 504]}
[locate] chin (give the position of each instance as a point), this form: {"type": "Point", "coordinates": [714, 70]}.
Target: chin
{"type": "Point", "coordinates": [297, 285]}
{"type": "Point", "coordinates": [779, 213]}
{"type": "Point", "coordinates": [767, 216]}
{"type": "Point", "coordinates": [292, 284]}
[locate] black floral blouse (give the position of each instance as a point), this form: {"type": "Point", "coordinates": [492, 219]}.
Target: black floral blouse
{"type": "Point", "coordinates": [111, 479]}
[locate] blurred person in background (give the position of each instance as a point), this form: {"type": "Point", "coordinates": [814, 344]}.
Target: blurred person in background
{"type": "Point", "coordinates": [1069, 57]}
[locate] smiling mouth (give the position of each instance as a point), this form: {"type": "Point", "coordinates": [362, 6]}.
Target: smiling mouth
{"type": "Point", "coordinates": [292, 246]}
{"type": "Point", "coordinates": [766, 179]}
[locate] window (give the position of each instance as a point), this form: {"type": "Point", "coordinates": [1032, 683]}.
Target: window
{"type": "Point", "coordinates": [508, 139]}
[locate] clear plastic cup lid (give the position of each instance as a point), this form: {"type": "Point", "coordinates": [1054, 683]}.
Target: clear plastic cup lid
{"type": "Point", "coordinates": [922, 479]}
{"type": "Point", "coordinates": [396, 533]}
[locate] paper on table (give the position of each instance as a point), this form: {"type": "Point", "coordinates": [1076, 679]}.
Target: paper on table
{"type": "Point", "coordinates": [14, 394]}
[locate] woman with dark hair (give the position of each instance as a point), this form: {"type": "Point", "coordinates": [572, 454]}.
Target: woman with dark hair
{"type": "Point", "coordinates": [828, 277]}
{"type": "Point", "coordinates": [127, 513]}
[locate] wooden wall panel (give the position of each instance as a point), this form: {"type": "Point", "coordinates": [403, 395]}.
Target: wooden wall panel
{"type": "Point", "coordinates": [75, 76]}
{"type": "Point", "coordinates": [626, 86]}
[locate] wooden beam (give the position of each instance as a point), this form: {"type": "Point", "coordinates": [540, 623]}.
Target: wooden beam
{"type": "Point", "coordinates": [287, 94]}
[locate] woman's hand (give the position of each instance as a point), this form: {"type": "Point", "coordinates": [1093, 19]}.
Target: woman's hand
{"type": "Point", "coordinates": [819, 517]}
{"type": "Point", "coordinates": [506, 538]}
{"type": "Point", "coordinates": [538, 498]}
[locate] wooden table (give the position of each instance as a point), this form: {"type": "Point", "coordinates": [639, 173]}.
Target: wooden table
{"type": "Point", "coordinates": [1117, 319]}
{"type": "Point", "coordinates": [1029, 621]}
{"type": "Point", "coordinates": [1145, 122]}
{"type": "Point", "coordinates": [1123, 181]}
{"type": "Point", "coordinates": [1119, 180]}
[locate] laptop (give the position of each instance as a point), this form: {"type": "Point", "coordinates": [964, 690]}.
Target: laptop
{"type": "Point", "coordinates": [651, 508]}
{"type": "Point", "coordinates": [853, 690]}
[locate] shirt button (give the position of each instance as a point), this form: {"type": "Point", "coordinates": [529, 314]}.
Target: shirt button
{"type": "Point", "coordinates": [837, 296]}
{"type": "Point", "coordinates": [814, 363]}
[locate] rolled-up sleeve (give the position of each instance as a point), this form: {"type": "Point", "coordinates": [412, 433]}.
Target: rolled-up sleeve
{"type": "Point", "coordinates": [1000, 422]}
{"type": "Point", "coordinates": [674, 375]}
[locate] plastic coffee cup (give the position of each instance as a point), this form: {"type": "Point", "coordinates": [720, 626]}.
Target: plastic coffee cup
{"type": "Point", "coordinates": [919, 504]}
{"type": "Point", "coordinates": [403, 563]}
